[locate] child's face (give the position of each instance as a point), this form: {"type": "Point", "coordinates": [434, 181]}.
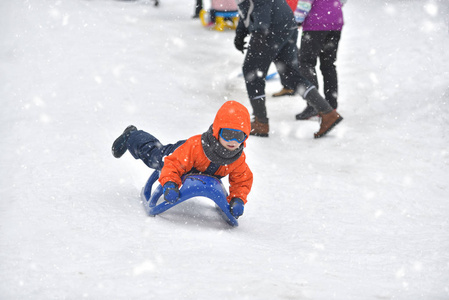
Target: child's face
{"type": "Point", "coordinates": [231, 145]}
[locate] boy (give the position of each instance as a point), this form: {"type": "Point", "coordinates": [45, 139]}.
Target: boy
{"type": "Point", "coordinates": [217, 152]}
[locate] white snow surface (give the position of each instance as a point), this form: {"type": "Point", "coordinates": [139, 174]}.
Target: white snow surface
{"type": "Point", "coordinates": [360, 214]}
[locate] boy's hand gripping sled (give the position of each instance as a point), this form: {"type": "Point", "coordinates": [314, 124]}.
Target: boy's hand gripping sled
{"type": "Point", "coordinates": [193, 185]}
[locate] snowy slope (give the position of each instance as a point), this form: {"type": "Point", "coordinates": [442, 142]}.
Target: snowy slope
{"type": "Point", "coordinates": [360, 214]}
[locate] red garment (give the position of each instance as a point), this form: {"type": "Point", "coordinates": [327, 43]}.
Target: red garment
{"type": "Point", "coordinates": [191, 154]}
{"type": "Point", "coordinates": [293, 4]}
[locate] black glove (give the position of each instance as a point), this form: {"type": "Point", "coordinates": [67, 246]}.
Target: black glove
{"type": "Point", "coordinates": [171, 192]}
{"type": "Point", "coordinates": [237, 207]}
{"type": "Point", "coordinates": [239, 41]}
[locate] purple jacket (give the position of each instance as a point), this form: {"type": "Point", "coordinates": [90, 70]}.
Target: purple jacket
{"type": "Point", "coordinates": [325, 15]}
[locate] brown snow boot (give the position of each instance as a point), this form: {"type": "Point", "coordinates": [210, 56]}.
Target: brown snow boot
{"type": "Point", "coordinates": [284, 92]}
{"type": "Point", "coordinates": [328, 121]}
{"type": "Point", "coordinates": [259, 129]}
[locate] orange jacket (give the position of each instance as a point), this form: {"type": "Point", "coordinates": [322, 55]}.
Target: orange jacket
{"type": "Point", "coordinates": [191, 154]}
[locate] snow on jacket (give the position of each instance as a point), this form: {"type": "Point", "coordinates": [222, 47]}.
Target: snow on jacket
{"type": "Point", "coordinates": [192, 154]}
{"type": "Point", "coordinates": [263, 16]}
{"type": "Point", "coordinates": [324, 15]}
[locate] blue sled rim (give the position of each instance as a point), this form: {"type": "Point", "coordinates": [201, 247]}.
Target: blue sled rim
{"type": "Point", "coordinates": [194, 185]}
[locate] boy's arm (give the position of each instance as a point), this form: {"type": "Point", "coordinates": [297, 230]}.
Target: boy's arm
{"type": "Point", "coordinates": [240, 182]}
{"type": "Point", "coordinates": [177, 164]}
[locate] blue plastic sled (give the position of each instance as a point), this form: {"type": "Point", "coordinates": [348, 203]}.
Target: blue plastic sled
{"type": "Point", "coordinates": [268, 77]}
{"type": "Point", "coordinates": [193, 185]}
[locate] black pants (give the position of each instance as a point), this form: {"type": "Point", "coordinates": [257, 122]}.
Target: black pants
{"type": "Point", "coordinates": [198, 7]}
{"type": "Point", "coordinates": [149, 149]}
{"type": "Point", "coordinates": [322, 45]}
{"type": "Point", "coordinates": [281, 49]}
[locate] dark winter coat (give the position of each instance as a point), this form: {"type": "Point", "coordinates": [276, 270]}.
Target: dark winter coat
{"type": "Point", "coordinates": [265, 16]}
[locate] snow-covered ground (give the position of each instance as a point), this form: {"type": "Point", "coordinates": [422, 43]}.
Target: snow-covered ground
{"type": "Point", "coordinates": [360, 214]}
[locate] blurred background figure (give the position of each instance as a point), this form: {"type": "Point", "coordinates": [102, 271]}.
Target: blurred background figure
{"type": "Point", "coordinates": [322, 23]}
{"type": "Point", "coordinates": [221, 14]}
{"type": "Point", "coordinates": [321, 32]}
{"type": "Point", "coordinates": [273, 33]}
{"type": "Point", "coordinates": [198, 8]}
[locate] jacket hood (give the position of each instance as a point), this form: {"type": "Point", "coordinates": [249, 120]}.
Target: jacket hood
{"type": "Point", "coordinates": [234, 115]}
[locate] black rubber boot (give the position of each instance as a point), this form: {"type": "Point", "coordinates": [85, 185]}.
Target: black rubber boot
{"type": "Point", "coordinates": [307, 113]}
{"type": "Point", "coordinates": [119, 146]}
{"type": "Point", "coordinates": [259, 109]}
